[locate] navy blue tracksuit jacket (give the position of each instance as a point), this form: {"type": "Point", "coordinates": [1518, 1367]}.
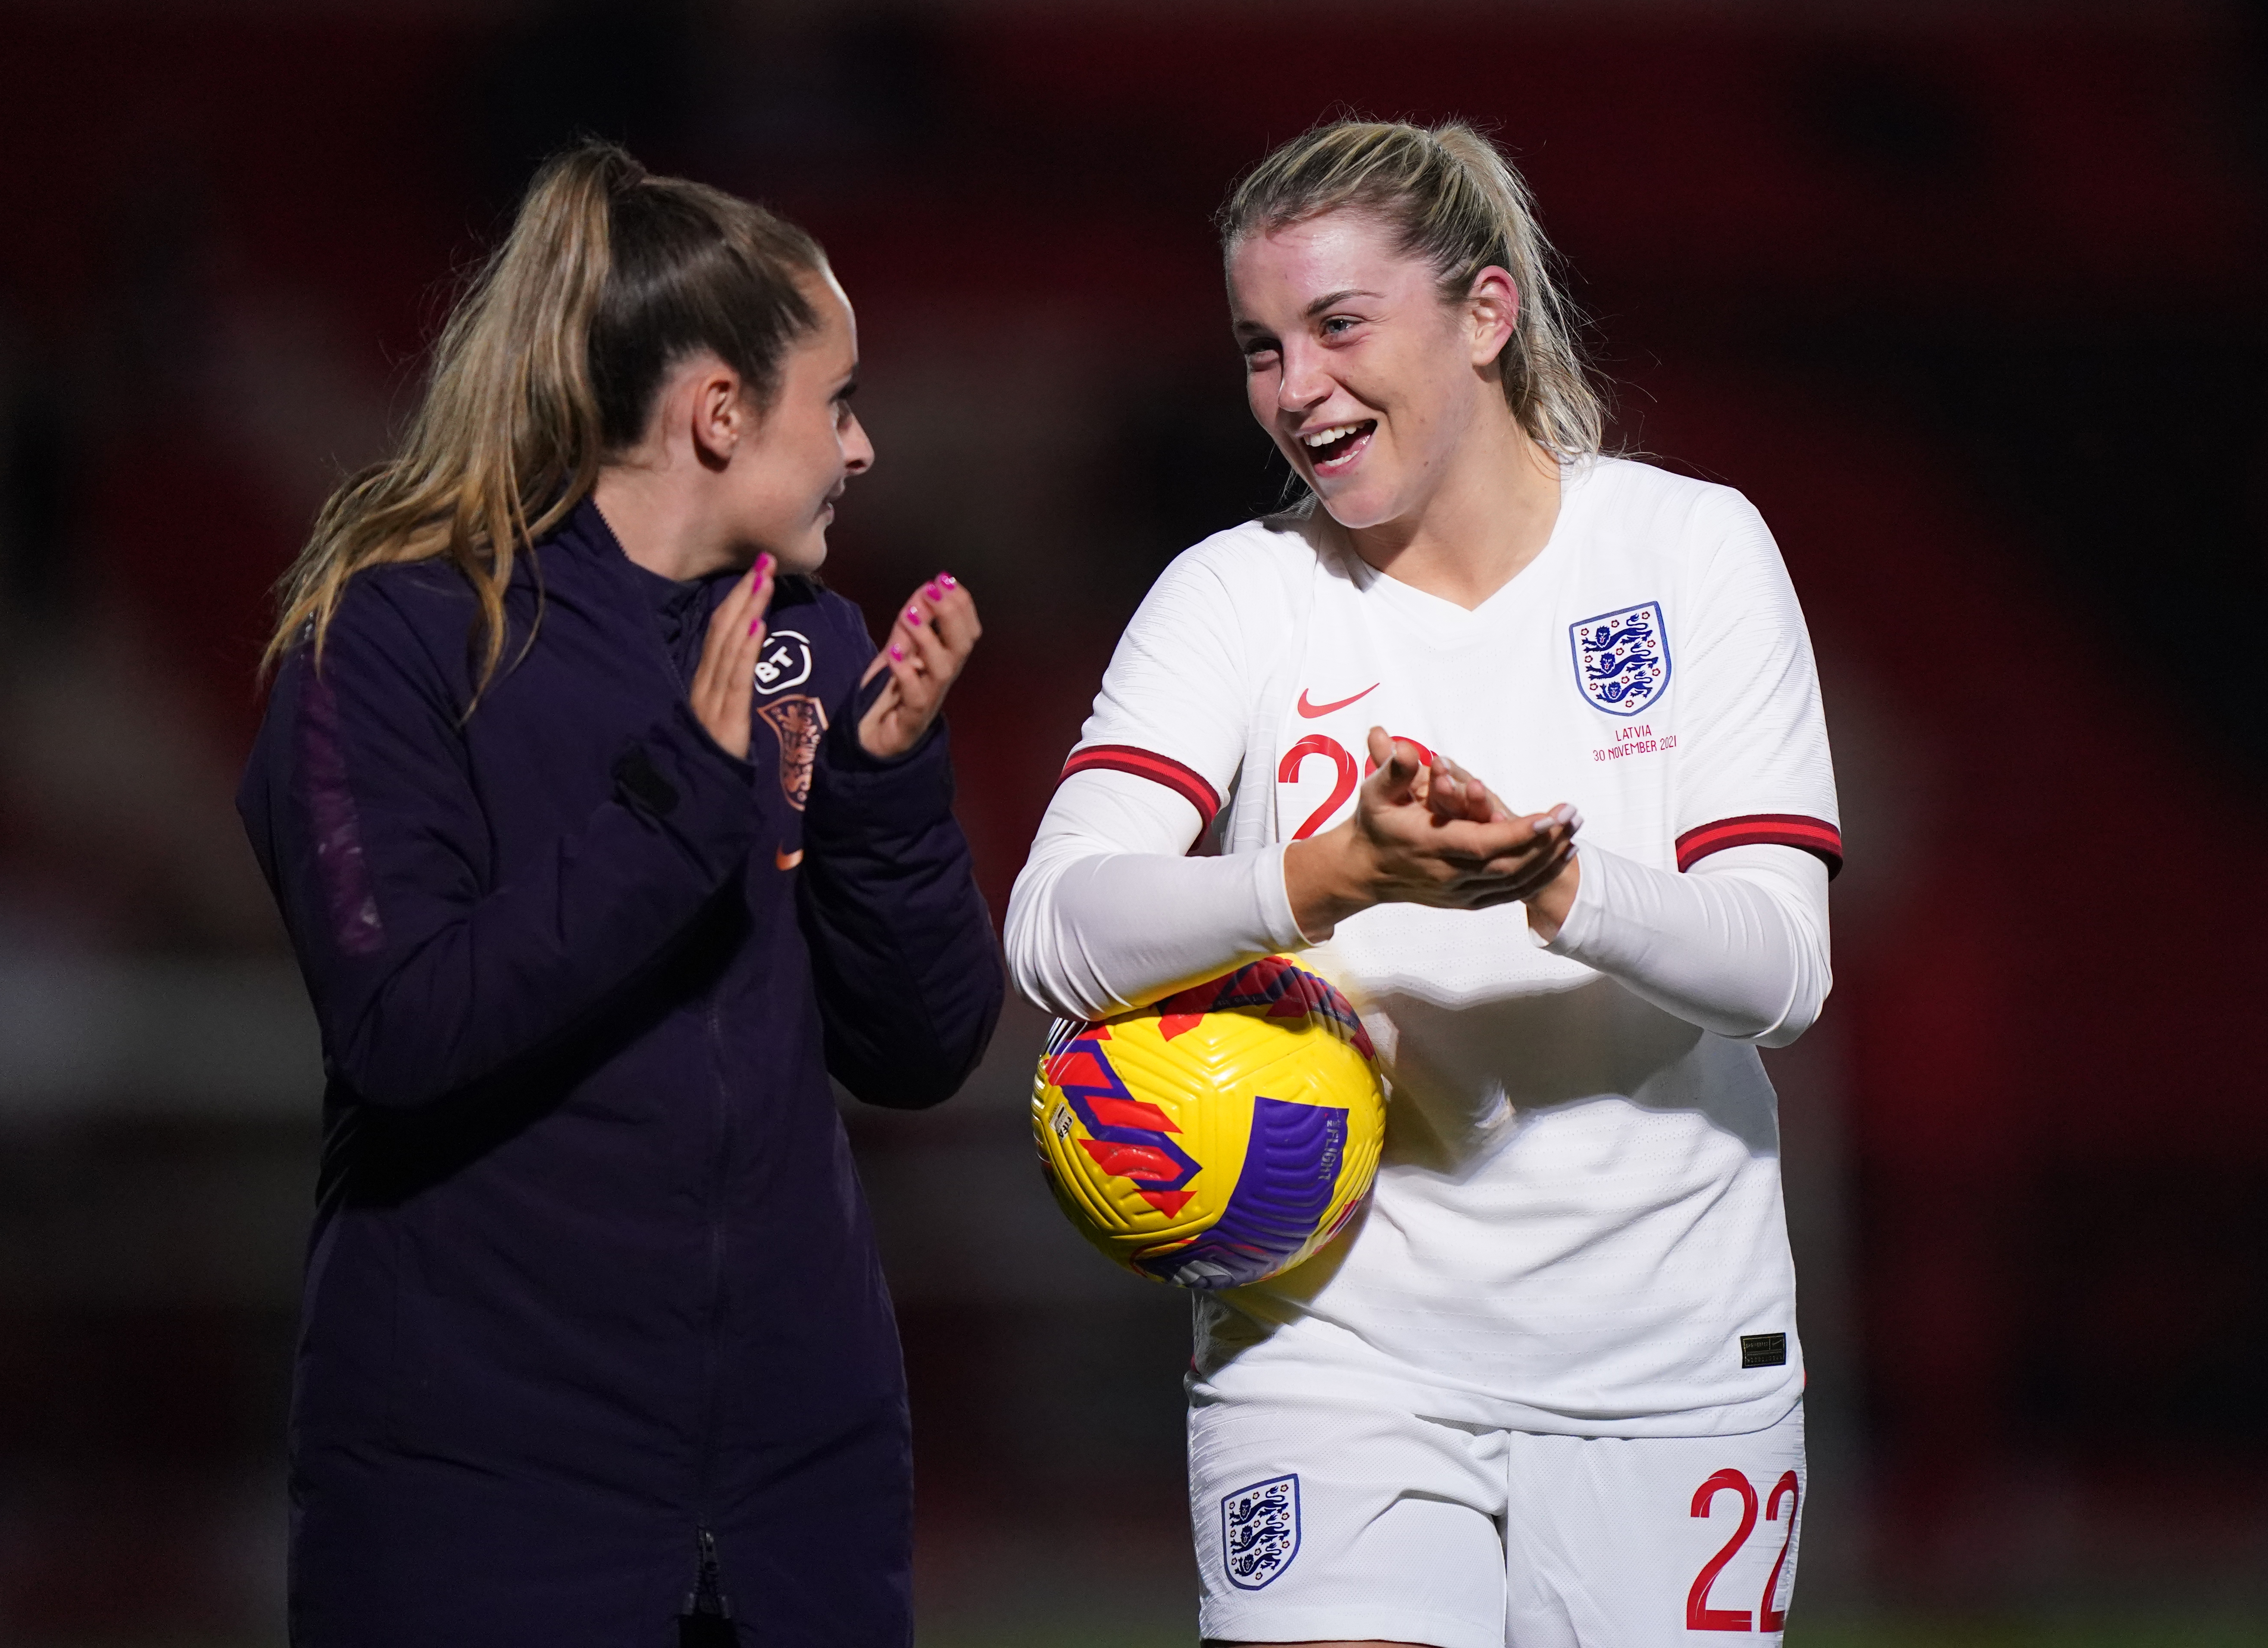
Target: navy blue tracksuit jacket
{"type": "Point", "coordinates": [593, 1333]}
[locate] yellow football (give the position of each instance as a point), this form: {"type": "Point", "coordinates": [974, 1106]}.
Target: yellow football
{"type": "Point", "coordinates": [1219, 1136]}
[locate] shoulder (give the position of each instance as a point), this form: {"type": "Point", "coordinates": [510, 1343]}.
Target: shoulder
{"type": "Point", "coordinates": [1270, 547]}
{"type": "Point", "coordinates": [396, 646]}
{"type": "Point", "coordinates": [1690, 528]}
{"type": "Point", "coordinates": [1184, 672]}
{"type": "Point", "coordinates": [414, 591]}
{"type": "Point", "coordinates": [413, 615]}
{"type": "Point", "coordinates": [1226, 603]}
{"type": "Point", "coordinates": [1251, 574]}
{"type": "Point", "coordinates": [1626, 495]}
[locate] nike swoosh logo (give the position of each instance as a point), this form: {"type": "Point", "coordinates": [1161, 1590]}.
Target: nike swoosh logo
{"type": "Point", "coordinates": [783, 859]}
{"type": "Point", "coordinates": [1311, 710]}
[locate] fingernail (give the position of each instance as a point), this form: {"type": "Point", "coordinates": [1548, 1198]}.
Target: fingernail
{"type": "Point", "coordinates": [755, 624]}
{"type": "Point", "coordinates": [932, 592]}
{"type": "Point", "coordinates": [763, 563]}
{"type": "Point", "coordinates": [913, 615]}
{"type": "Point", "coordinates": [945, 578]}
{"type": "Point", "coordinates": [897, 653]}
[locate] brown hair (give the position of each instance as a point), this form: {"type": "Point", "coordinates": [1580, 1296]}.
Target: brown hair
{"type": "Point", "coordinates": [1456, 203]}
{"type": "Point", "coordinates": [548, 364]}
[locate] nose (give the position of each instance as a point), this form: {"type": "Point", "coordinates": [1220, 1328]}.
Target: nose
{"type": "Point", "coordinates": [1304, 383]}
{"type": "Point", "coordinates": [857, 451]}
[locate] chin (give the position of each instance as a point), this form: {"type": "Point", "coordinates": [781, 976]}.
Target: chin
{"type": "Point", "coordinates": [1360, 506]}
{"type": "Point", "coordinates": [805, 557]}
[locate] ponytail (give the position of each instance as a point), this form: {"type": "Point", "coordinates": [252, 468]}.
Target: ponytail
{"type": "Point", "coordinates": [1455, 202]}
{"type": "Point", "coordinates": [548, 365]}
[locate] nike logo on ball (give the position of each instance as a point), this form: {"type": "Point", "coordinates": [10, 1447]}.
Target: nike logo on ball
{"type": "Point", "coordinates": [1311, 710]}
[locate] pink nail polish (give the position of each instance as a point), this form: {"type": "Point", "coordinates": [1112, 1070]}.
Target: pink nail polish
{"type": "Point", "coordinates": [945, 578]}
{"type": "Point", "coordinates": [755, 624]}
{"type": "Point", "coordinates": [932, 592]}
{"type": "Point", "coordinates": [913, 615]}
{"type": "Point", "coordinates": [897, 651]}
{"type": "Point", "coordinates": [764, 563]}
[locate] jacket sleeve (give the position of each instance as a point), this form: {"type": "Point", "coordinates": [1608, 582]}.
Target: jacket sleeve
{"type": "Point", "coordinates": [908, 977]}
{"type": "Point", "coordinates": [427, 975]}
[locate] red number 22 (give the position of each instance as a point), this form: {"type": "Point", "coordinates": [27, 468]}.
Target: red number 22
{"type": "Point", "coordinates": [1698, 1614]}
{"type": "Point", "coordinates": [1287, 771]}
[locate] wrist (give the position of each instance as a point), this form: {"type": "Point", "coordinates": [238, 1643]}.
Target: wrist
{"type": "Point", "coordinates": [1324, 880]}
{"type": "Point", "coordinates": [1549, 905]}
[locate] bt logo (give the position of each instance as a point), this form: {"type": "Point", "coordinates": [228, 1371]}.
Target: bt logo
{"type": "Point", "coordinates": [786, 662]}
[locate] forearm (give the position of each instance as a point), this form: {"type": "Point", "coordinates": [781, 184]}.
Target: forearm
{"type": "Point", "coordinates": [907, 972]}
{"type": "Point", "coordinates": [1110, 933]}
{"type": "Point", "coordinates": [431, 998]}
{"type": "Point", "coordinates": [1108, 915]}
{"type": "Point", "coordinates": [1738, 946]}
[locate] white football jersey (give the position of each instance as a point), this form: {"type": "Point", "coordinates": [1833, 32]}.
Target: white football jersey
{"type": "Point", "coordinates": [1577, 1226]}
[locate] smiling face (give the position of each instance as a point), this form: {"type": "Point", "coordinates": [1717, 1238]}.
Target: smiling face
{"type": "Point", "coordinates": [807, 444]}
{"type": "Point", "coordinates": [1368, 380]}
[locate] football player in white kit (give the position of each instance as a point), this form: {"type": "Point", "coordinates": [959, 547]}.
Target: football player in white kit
{"type": "Point", "coordinates": [1547, 1390]}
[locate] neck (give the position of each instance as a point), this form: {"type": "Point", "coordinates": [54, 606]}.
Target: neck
{"type": "Point", "coordinates": [1489, 514]}
{"type": "Point", "coordinates": [661, 524]}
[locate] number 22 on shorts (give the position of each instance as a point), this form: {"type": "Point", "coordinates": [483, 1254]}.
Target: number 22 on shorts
{"type": "Point", "coordinates": [1700, 1615]}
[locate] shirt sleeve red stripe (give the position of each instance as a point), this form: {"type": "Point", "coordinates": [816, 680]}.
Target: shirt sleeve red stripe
{"type": "Point", "coordinates": [1185, 782]}
{"type": "Point", "coordinates": [1753, 829]}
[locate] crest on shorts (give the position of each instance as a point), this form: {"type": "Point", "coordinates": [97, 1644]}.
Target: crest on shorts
{"type": "Point", "coordinates": [1260, 1531]}
{"type": "Point", "coordinates": [800, 723]}
{"type": "Point", "coordinates": [785, 662]}
{"type": "Point", "coordinates": [1622, 658]}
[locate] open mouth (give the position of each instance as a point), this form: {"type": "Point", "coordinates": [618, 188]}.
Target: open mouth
{"type": "Point", "coordinates": [1332, 450]}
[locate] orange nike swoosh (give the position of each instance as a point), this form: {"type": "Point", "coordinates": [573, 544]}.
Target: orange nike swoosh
{"type": "Point", "coordinates": [1313, 710]}
{"type": "Point", "coordinates": [783, 859]}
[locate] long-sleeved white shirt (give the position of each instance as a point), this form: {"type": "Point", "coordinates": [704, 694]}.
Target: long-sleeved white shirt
{"type": "Point", "coordinates": [1577, 1218]}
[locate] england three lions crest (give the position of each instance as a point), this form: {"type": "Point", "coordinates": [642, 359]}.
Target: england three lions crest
{"type": "Point", "coordinates": [1260, 1531]}
{"type": "Point", "coordinates": [800, 723]}
{"type": "Point", "coordinates": [1622, 658]}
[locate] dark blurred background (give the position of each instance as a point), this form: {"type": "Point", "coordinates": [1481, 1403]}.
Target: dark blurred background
{"type": "Point", "coordinates": [1967, 298]}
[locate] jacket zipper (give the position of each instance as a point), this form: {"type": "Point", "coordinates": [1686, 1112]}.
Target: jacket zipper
{"type": "Point", "coordinates": [708, 1597]}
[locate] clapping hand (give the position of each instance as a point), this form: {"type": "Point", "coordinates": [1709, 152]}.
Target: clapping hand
{"type": "Point", "coordinates": [928, 645]}
{"type": "Point", "coordinates": [725, 681]}
{"type": "Point", "coordinates": [1428, 832]}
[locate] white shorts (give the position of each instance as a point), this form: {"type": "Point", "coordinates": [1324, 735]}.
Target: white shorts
{"type": "Point", "coordinates": [1320, 1523]}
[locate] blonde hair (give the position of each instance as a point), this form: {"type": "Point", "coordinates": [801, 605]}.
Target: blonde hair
{"type": "Point", "coordinates": [1455, 202]}
{"type": "Point", "coordinates": [548, 364]}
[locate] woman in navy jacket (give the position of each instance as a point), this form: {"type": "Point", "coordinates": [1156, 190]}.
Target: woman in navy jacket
{"type": "Point", "coordinates": [605, 836]}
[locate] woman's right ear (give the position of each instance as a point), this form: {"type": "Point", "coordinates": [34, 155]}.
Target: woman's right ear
{"type": "Point", "coordinates": [721, 413]}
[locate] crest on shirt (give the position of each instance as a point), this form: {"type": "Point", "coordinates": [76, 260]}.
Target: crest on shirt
{"type": "Point", "coordinates": [1622, 658]}
{"type": "Point", "coordinates": [1260, 1531]}
{"type": "Point", "coordinates": [798, 723]}
{"type": "Point", "coordinates": [785, 662]}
